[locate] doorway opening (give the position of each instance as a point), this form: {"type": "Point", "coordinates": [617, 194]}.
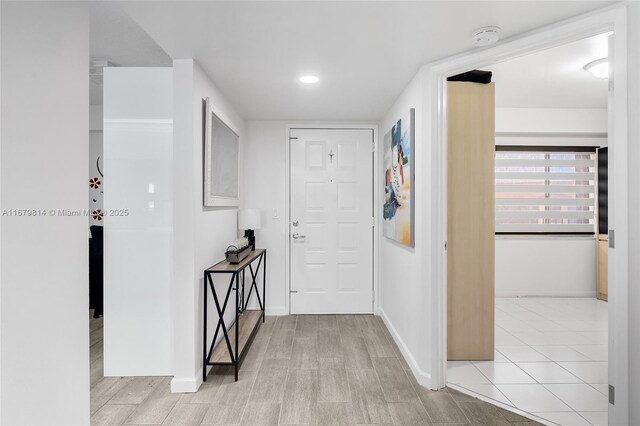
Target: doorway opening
{"type": "Point", "coordinates": [597, 336]}
{"type": "Point", "coordinates": [550, 316]}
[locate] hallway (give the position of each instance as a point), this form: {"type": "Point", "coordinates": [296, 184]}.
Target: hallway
{"type": "Point", "coordinates": [325, 370]}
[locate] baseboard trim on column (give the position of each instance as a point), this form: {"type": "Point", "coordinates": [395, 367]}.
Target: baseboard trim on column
{"type": "Point", "coordinates": [280, 311]}
{"type": "Point", "coordinates": [424, 379]}
{"type": "Point", "coordinates": [186, 384]}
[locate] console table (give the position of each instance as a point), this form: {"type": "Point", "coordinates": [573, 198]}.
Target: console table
{"type": "Point", "coordinates": [246, 321]}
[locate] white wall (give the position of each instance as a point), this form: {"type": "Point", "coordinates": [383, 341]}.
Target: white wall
{"type": "Point", "coordinates": [201, 234]}
{"type": "Point", "coordinates": [265, 172]}
{"type": "Point", "coordinates": [548, 265]}
{"type": "Point", "coordinates": [45, 294]}
{"type": "Point", "coordinates": [545, 266]}
{"type": "Point", "coordinates": [138, 137]}
{"type": "Point", "coordinates": [551, 120]}
{"type": "Point", "coordinates": [633, 90]}
{"type": "Point", "coordinates": [402, 291]}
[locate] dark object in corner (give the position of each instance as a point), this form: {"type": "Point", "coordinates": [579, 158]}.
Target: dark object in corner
{"type": "Point", "coordinates": [475, 76]}
{"type": "Point", "coordinates": [96, 270]}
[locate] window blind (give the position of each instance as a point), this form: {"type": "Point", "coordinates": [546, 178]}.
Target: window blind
{"type": "Point", "coordinates": [540, 191]}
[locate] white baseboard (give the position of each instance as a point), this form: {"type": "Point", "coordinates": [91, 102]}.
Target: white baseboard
{"type": "Point", "coordinates": [423, 378]}
{"type": "Point", "coordinates": [192, 384]}
{"type": "Point", "coordinates": [279, 311]}
{"type": "Point", "coordinates": [186, 384]}
{"type": "Point", "coordinates": [545, 294]}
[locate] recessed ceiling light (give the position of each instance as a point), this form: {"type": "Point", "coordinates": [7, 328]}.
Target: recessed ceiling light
{"type": "Point", "coordinates": [309, 79]}
{"type": "Point", "coordinates": [599, 68]}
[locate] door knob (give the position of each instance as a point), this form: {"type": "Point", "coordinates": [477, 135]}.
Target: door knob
{"type": "Point", "coordinates": [297, 236]}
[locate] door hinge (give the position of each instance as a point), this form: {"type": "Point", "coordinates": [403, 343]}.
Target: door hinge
{"type": "Point", "coordinates": [373, 146]}
{"type": "Point", "coordinates": [612, 238]}
{"type": "Point", "coordinates": [612, 395]}
{"type": "Point", "coordinates": [445, 246]}
{"type": "Point", "coordinates": [373, 222]}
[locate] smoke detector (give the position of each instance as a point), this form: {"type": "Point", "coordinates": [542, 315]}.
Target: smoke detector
{"type": "Point", "coordinates": [486, 36]}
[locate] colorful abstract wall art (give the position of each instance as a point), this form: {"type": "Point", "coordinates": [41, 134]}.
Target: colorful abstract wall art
{"type": "Point", "coordinates": [399, 188]}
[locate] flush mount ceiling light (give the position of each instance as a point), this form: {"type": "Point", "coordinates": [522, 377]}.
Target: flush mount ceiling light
{"type": "Point", "coordinates": [486, 36]}
{"type": "Point", "coordinates": [599, 68]}
{"type": "Point", "coordinates": [309, 79]}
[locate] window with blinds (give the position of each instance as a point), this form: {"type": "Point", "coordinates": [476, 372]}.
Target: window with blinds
{"type": "Point", "coordinates": [546, 192]}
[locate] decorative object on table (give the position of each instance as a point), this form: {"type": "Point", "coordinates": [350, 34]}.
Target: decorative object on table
{"type": "Point", "coordinates": [249, 220]}
{"type": "Point", "coordinates": [221, 156]}
{"type": "Point", "coordinates": [238, 250]}
{"type": "Point", "coordinates": [399, 189]}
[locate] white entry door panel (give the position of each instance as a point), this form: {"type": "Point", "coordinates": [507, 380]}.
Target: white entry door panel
{"type": "Point", "coordinates": [331, 229]}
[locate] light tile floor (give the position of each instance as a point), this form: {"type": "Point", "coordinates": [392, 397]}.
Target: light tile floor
{"type": "Point", "coordinates": [550, 360]}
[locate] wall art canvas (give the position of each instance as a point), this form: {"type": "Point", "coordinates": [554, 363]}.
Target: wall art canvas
{"type": "Point", "coordinates": [221, 160]}
{"type": "Point", "coordinates": [399, 188]}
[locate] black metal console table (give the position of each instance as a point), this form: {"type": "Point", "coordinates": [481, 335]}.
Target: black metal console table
{"type": "Point", "coordinates": [246, 321]}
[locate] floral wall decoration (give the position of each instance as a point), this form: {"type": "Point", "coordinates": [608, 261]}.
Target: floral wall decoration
{"type": "Point", "coordinates": [96, 180]}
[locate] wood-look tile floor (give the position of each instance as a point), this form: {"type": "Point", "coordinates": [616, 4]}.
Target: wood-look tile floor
{"type": "Point", "coordinates": [300, 370]}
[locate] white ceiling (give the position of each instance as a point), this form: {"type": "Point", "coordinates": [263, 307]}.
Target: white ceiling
{"type": "Point", "coordinates": [116, 37]}
{"type": "Point", "coordinates": [364, 52]}
{"type": "Point", "coordinates": [553, 78]}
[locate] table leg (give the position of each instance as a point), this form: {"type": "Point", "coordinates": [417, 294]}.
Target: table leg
{"type": "Point", "coordinates": [204, 337]}
{"type": "Point", "coordinates": [264, 286]}
{"type": "Point", "coordinates": [237, 326]}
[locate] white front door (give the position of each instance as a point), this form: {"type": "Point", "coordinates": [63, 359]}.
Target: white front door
{"type": "Point", "coordinates": [331, 229]}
